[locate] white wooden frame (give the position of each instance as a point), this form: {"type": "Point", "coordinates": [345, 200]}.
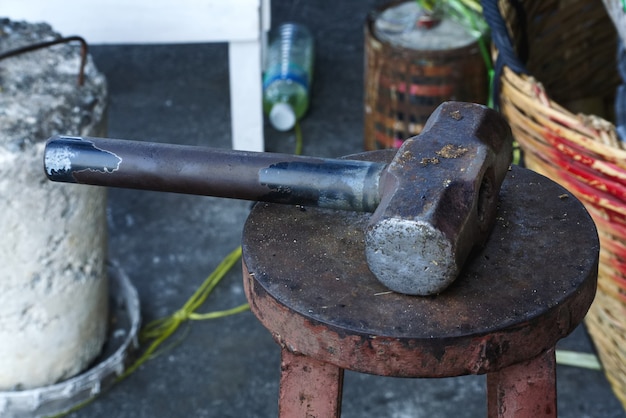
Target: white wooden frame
{"type": "Point", "coordinates": [241, 23]}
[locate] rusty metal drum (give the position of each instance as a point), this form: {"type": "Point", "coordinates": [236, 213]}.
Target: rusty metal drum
{"type": "Point", "coordinates": [411, 67]}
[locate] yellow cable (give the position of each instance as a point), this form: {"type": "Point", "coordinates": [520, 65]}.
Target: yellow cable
{"type": "Point", "coordinates": [161, 329]}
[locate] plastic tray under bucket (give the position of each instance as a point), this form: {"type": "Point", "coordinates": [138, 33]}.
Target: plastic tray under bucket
{"type": "Point", "coordinates": [124, 320]}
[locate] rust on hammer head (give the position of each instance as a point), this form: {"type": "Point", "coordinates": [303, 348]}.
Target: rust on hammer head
{"type": "Point", "coordinates": [439, 197]}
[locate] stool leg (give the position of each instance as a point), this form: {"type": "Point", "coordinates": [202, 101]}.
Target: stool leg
{"type": "Point", "coordinates": [309, 388]}
{"type": "Point", "coordinates": [524, 390]}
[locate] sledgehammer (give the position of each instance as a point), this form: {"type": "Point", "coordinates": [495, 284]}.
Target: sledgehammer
{"type": "Point", "coordinates": [431, 205]}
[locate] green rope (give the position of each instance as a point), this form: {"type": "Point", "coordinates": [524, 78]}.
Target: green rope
{"type": "Point", "coordinates": [161, 329]}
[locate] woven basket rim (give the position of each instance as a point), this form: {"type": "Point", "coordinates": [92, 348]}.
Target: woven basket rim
{"type": "Point", "coordinates": [586, 125]}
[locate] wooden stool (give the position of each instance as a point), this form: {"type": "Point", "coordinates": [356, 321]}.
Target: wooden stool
{"type": "Point", "coordinates": [307, 281]}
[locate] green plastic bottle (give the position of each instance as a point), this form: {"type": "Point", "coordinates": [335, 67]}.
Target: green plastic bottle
{"type": "Point", "coordinates": [288, 75]}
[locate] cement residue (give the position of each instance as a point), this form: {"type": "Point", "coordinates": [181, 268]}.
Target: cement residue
{"type": "Point", "coordinates": [52, 256]}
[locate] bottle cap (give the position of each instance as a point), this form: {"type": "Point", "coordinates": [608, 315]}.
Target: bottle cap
{"type": "Point", "coordinates": [282, 116]}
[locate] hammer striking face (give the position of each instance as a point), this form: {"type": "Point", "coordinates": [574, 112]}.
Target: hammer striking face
{"type": "Point", "coordinates": [438, 199]}
{"type": "Point", "coordinates": [431, 205]}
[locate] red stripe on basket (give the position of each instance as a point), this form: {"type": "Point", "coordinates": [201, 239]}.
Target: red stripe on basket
{"type": "Point", "coordinates": [590, 177]}
{"type": "Point", "coordinates": [603, 200]}
{"type": "Point", "coordinates": [603, 190]}
{"type": "Point", "coordinates": [613, 209]}
{"type": "Point", "coordinates": [582, 156]}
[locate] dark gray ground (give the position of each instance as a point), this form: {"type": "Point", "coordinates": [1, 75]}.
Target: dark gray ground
{"type": "Point", "coordinates": [168, 243]}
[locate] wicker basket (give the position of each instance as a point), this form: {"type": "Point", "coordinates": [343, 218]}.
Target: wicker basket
{"type": "Point", "coordinates": [556, 59]}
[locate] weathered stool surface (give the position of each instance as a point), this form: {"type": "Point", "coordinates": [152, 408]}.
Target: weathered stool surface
{"type": "Point", "coordinates": [308, 282]}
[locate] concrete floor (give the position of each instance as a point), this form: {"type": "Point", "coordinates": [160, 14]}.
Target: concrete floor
{"type": "Point", "coordinates": [168, 243]}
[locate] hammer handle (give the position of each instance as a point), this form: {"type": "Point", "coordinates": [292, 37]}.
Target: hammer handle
{"type": "Point", "coordinates": [277, 178]}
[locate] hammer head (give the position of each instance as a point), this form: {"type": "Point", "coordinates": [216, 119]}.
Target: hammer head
{"type": "Point", "coordinates": [439, 199]}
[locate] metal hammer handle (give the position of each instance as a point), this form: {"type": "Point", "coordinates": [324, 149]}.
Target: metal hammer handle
{"type": "Point", "coordinates": [278, 178]}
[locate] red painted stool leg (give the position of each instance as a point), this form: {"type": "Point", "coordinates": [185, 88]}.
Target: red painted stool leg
{"type": "Point", "coordinates": [524, 390]}
{"type": "Point", "coordinates": [309, 388]}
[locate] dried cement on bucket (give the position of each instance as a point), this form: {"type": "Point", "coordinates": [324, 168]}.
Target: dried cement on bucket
{"type": "Point", "coordinates": [53, 279]}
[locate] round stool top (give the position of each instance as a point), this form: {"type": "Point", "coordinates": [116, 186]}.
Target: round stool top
{"type": "Point", "coordinates": [307, 280]}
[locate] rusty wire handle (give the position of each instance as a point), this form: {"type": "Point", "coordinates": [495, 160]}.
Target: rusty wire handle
{"type": "Point", "coordinates": [83, 52]}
